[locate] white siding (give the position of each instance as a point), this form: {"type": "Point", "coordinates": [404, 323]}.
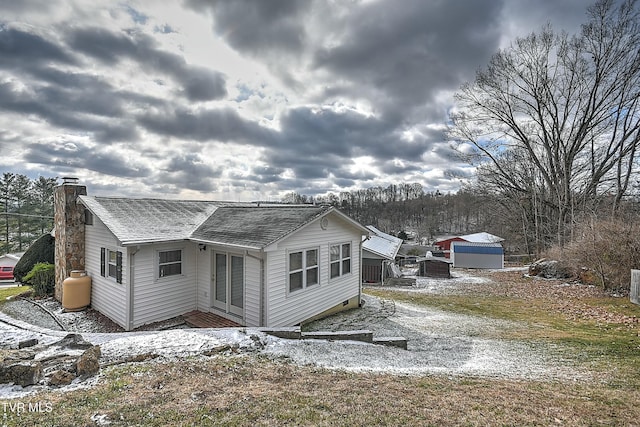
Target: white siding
{"type": "Point", "coordinates": [204, 280]}
{"type": "Point", "coordinates": [288, 309]}
{"type": "Point", "coordinates": [107, 296]}
{"type": "Point", "coordinates": [252, 279]}
{"type": "Point", "coordinates": [160, 298]}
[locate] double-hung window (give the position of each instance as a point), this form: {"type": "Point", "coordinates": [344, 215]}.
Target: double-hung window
{"type": "Point", "coordinates": [169, 263]}
{"type": "Point", "coordinates": [340, 259]}
{"type": "Point", "coordinates": [111, 264]}
{"type": "Point", "coordinates": [303, 269]}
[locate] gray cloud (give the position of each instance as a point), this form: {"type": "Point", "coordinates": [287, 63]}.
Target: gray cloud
{"type": "Point", "coordinates": [189, 171]}
{"type": "Point", "coordinates": [223, 125]}
{"type": "Point", "coordinates": [259, 28]}
{"type": "Point", "coordinates": [353, 79]}
{"type": "Point", "coordinates": [21, 50]}
{"type": "Point", "coordinates": [65, 156]}
{"type": "Point", "coordinates": [196, 83]}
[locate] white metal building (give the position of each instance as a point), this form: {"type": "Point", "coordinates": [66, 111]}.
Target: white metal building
{"type": "Point", "coordinates": [477, 255]}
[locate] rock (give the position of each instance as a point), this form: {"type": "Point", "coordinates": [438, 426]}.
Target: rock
{"type": "Point", "coordinates": [550, 269]}
{"type": "Point", "coordinates": [61, 377]}
{"type": "Point", "coordinates": [73, 341]}
{"type": "Point", "coordinates": [21, 373]}
{"type": "Point", "coordinates": [28, 343]}
{"type": "Point", "coordinates": [88, 363]}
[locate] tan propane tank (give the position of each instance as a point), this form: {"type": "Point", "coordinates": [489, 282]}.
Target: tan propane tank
{"type": "Point", "coordinates": [76, 291]}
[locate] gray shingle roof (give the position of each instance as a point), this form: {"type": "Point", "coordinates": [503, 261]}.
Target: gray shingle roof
{"type": "Point", "coordinates": [255, 227]}
{"type": "Point", "coordinates": [148, 220]}
{"type": "Point", "coordinates": [138, 221]}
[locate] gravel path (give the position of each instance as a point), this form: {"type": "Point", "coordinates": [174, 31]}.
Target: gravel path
{"type": "Point", "coordinates": [438, 343]}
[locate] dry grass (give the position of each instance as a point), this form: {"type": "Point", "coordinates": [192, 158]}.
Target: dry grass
{"type": "Point", "coordinates": [254, 391]}
{"type": "Point", "coordinates": [250, 391]}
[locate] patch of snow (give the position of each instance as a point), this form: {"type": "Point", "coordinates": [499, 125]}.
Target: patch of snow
{"type": "Point", "coordinates": [439, 342]}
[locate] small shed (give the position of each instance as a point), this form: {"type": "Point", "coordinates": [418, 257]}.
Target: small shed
{"type": "Point", "coordinates": [433, 266]}
{"type": "Point", "coordinates": [379, 250]}
{"type": "Point", "coordinates": [477, 255]}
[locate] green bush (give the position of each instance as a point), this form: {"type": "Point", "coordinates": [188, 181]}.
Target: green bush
{"type": "Point", "coordinates": [42, 250]}
{"type": "Point", "coordinates": [41, 278]}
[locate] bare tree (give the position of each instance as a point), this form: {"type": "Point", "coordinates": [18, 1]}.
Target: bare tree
{"type": "Point", "coordinates": [569, 105]}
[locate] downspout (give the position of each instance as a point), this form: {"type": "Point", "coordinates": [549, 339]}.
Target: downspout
{"type": "Point", "coordinates": [132, 267]}
{"type": "Point", "coordinates": [262, 314]}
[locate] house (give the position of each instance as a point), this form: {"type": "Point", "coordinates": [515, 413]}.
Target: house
{"type": "Point", "coordinates": [378, 250]}
{"type": "Point", "coordinates": [444, 243]}
{"type": "Point", "coordinates": [255, 264]}
{"type": "Point", "coordinates": [477, 255]}
{"type": "Point", "coordinates": [10, 260]}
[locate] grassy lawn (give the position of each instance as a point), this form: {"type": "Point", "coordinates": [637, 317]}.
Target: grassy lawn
{"type": "Point", "coordinates": [251, 390]}
{"type": "Point", "coordinates": [9, 292]}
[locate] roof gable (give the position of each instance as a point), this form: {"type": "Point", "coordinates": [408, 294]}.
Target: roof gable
{"type": "Point", "coordinates": [149, 220]}
{"type": "Point", "coordinates": [255, 226]}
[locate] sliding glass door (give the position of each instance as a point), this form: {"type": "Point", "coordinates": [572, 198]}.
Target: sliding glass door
{"type": "Point", "coordinates": [228, 282]}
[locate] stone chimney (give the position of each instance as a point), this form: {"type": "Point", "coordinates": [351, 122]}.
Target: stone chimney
{"type": "Point", "coordinates": [69, 230]}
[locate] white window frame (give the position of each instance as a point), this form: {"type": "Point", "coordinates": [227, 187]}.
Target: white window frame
{"type": "Point", "coordinates": [110, 264]}
{"type": "Point", "coordinates": [305, 269]}
{"type": "Point", "coordinates": [159, 265]}
{"type": "Point", "coordinates": [342, 257]}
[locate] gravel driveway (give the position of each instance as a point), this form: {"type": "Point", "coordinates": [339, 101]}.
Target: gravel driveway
{"type": "Point", "coordinates": [439, 342]}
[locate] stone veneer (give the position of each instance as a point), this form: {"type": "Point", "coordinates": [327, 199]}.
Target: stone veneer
{"type": "Point", "coordinates": [69, 231]}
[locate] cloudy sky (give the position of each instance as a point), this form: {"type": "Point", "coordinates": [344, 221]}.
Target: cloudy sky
{"type": "Point", "coordinates": [246, 100]}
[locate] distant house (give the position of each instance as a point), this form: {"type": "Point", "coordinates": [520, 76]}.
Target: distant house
{"type": "Point", "coordinates": [444, 243]}
{"type": "Point", "coordinates": [257, 265]}
{"type": "Point", "coordinates": [10, 260]}
{"type": "Point", "coordinates": [378, 250]}
{"type": "Point", "coordinates": [477, 255]}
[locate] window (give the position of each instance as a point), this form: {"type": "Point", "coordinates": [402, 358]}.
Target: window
{"type": "Point", "coordinates": [340, 259]}
{"type": "Point", "coordinates": [169, 263]}
{"type": "Point", "coordinates": [111, 264]}
{"type": "Point", "coordinates": [303, 269]}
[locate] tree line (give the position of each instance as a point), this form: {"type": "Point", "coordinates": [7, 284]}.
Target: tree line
{"type": "Point", "coordinates": [26, 210]}
{"type": "Point", "coordinates": [428, 215]}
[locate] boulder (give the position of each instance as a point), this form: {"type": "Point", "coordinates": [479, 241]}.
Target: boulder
{"type": "Point", "coordinates": [61, 378]}
{"type": "Point", "coordinates": [73, 341]}
{"type": "Point", "coordinates": [88, 363]}
{"type": "Point", "coordinates": [21, 373]}
{"type": "Point", "coordinates": [28, 343]}
{"type": "Point", "coordinates": [550, 269]}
